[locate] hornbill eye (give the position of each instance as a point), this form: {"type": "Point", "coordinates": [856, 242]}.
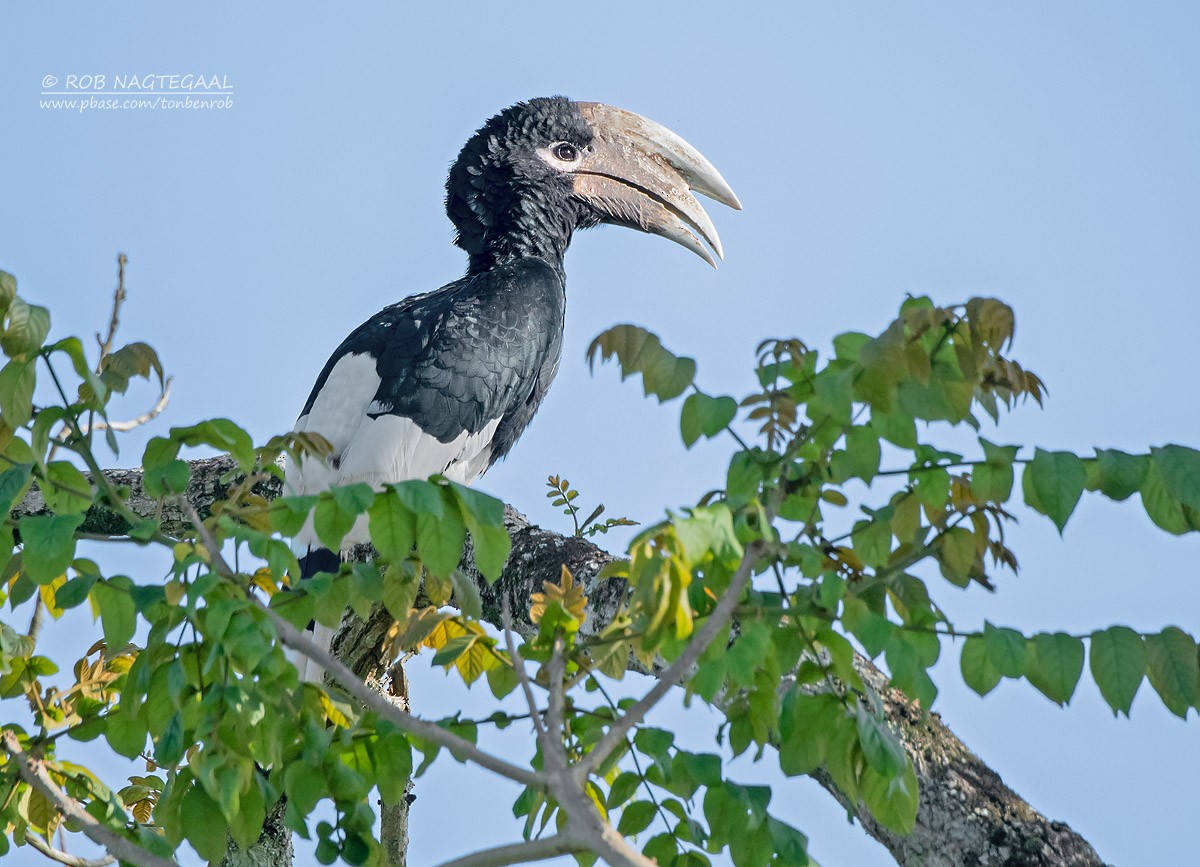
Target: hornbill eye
{"type": "Point", "coordinates": [566, 152]}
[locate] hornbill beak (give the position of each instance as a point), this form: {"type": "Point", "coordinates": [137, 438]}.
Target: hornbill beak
{"type": "Point", "coordinates": [639, 174]}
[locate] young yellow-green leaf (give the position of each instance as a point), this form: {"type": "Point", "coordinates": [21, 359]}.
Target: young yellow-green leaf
{"type": "Point", "coordinates": [1117, 659]}
{"type": "Point", "coordinates": [1057, 478]}
{"type": "Point", "coordinates": [957, 554]}
{"type": "Point", "coordinates": [49, 542]}
{"type": "Point", "coordinates": [1055, 664]}
{"type": "Point", "coordinates": [705, 416]}
{"type": "Point", "coordinates": [1180, 469]}
{"type": "Point", "coordinates": [1172, 665]}
{"type": "Point", "coordinates": [1120, 475]}
{"type": "Point", "coordinates": [664, 374]}
{"type": "Point", "coordinates": [17, 381]}
{"type": "Point", "coordinates": [1006, 650]}
{"type": "Point", "coordinates": [26, 327]}
{"type": "Point", "coordinates": [978, 671]}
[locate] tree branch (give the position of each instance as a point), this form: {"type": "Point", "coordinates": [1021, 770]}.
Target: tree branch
{"type": "Point", "coordinates": [519, 853]}
{"type": "Point", "coordinates": [966, 815]}
{"type": "Point", "coordinates": [33, 771]}
{"type": "Point", "coordinates": [296, 640]}
{"type": "Point", "coordinates": [675, 672]}
{"type": "Point", "coordinates": [64, 857]}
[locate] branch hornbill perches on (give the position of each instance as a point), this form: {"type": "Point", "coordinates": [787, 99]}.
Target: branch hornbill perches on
{"type": "Point", "coordinates": [445, 382]}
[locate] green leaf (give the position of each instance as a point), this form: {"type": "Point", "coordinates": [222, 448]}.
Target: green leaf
{"type": "Point", "coordinates": [1164, 509]}
{"type": "Point", "coordinates": [1055, 664]}
{"type": "Point", "coordinates": [978, 671]}
{"type": "Point", "coordinates": [1120, 475]}
{"type": "Point", "coordinates": [1180, 469]}
{"type": "Point", "coordinates": [635, 818]}
{"type": "Point", "coordinates": [331, 522]}
{"type": "Point", "coordinates": [1057, 478]}
{"type": "Point", "coordinates": [1172, 667]}
{"type": "Point", "coordinates": [13, 483]}
{"type": "Point", "coordinates": [1006, 650]}
{"type": "Point", "coordinates": [664, 374]}
{"type": "Point", "coordinates": [25, 329]}
{"type": "Point", "coordinates": [873, 541]}
{"type": "Point", "coordinates": [8, 289]}
{"type": "Point", "coordinates": [807, 726]}
{"type": "Point", "coordinates": [441, 531]}
{"type": "Point", "coordinates": [466, 594]}
{"type": "Point", "coordinates": [896, 427]}
{"type": "Point", "coordinates": [66, 489]}
{"type": "Point", "coordinates": [880, 746]}
{"type": "Point", "coordinates": [17, 381]}
{"type": "Point", "coordinates": [705, 416]}
{"type": "Point", "coordinates": [484, 517]}
{"type": "Point", "coordinates": [861, 457]}
{"type": "Point", "coordinates": [994, 480]}
{"type": "Point", "coordinates": [204, 825]}
{"type": "Point", "coordinates": [1118, 662]}
{"type": "Point", "coordinates": [118, 614]}
{"type": "Point", "coordinates": [399, 591]}
{"type": "Point", "coordinates": [394, 766]}
{"type": "Point", "coordinates": [892, 801]}
{"type": "Point", "coordinates": [49, 542]}
{"type": "Point", "coordinates": [393, 527]}
{"type": "Point", "coordinates": [169, 478]}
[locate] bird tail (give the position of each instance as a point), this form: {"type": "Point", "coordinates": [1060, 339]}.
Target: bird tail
{"type": "Point", "coordinates": [315, 560]}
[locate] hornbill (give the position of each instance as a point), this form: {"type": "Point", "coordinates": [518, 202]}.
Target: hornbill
{"type": "Point", "coordinates": [446, 381]}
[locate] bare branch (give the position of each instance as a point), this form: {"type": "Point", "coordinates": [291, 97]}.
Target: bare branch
{"type": "Point", "coordinates": [524, 852]}
{"type": "Point", "coordinates": [64, 857]}
{"type": "Point", "coordinates": [722, 613]}
{"type": "Point", "coordinates": [33, 771]}
{"type": "Point", "coordinates": [115, 320]}
{"type": "Point", "coordinates": [164, 398]}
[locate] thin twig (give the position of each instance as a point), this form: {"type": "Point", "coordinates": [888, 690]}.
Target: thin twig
{"type": "Point", "coordinates": [33, 771]}
{"type": "Point", "coordinates": [293, 638]}
{"type": "Point", "coordinates": [669, 678]}
{"type": "Point", "coordinates": [64, 857]}
{"type": "Point", "coordinates": [520, 853]}
{"type": "Point", "coordinates": [115, 321]}
{"type": "Point", "coordinates": [519, 667]}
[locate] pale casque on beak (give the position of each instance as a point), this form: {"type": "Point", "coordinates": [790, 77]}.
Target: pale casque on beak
{"type": "Point", "coordinates": [639, 174]}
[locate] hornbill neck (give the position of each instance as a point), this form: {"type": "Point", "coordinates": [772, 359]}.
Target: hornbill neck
{"type": "Point", "coordinates": [527, 229]}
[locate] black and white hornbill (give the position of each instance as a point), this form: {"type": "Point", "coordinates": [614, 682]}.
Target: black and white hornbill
{"type": "Point", "coordinates": [445, 382]}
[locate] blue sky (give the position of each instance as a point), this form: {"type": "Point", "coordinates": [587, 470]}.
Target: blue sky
{"type": "Point", "coordinates": [1042, 153]}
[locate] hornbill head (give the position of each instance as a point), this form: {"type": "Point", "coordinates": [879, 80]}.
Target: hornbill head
{"type": "Point", "coordinates": [541, 169]}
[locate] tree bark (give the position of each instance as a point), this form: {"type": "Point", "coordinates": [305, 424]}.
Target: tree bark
{"type": "Point", "coordinates": [967, 816]}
